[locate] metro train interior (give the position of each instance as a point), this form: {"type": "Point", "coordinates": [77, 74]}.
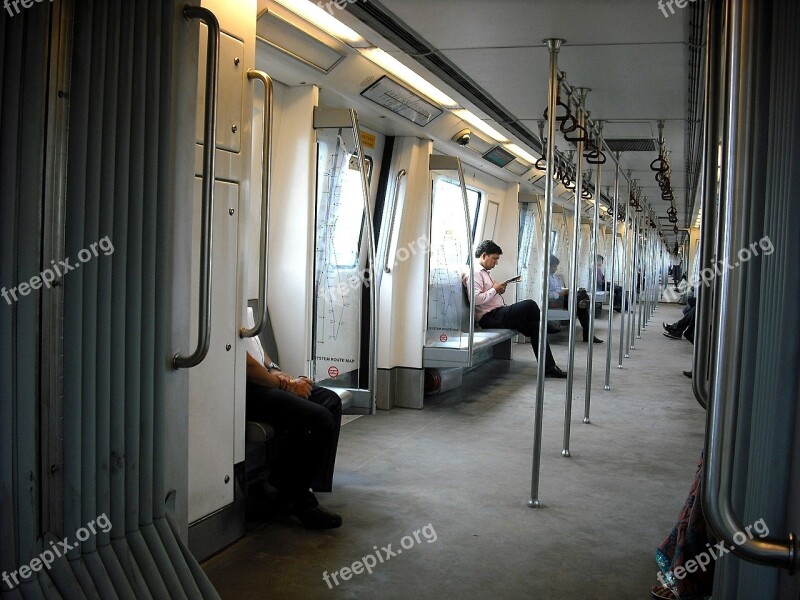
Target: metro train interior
{"type": "Point", "coordinates": [181, 179]}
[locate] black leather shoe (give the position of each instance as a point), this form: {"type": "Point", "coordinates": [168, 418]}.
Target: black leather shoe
{"type": "Point", "coordinates": [672, 335]}
{"type": "Point", "coordinates": [597, 340]}
{"type": "Point", "coordinates": [688, 374]}
{"type": "Point", "coordinates": [555, 373]}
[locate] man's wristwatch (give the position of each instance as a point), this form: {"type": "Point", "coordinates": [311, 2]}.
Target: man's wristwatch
{"type": "Point", "coordinates": [271, 366]}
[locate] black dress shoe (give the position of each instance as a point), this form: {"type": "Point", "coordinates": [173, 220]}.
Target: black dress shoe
{"type": "Point", "coordinates": [672, 335]}
{"type": "Point", "coordinates": [555, 373]}
{"type": "Point", "coordinates": [597, 340]}
{"type": "Point", "coordinates": [688, 374]}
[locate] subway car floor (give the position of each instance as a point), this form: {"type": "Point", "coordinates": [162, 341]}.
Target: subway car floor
{"type": "Point", "coordinates": [458, 474]}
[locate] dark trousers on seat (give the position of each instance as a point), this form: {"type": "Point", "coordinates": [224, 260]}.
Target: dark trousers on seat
{"type": "Point", "coordinates": [308, 436]}
{"type": "Point", "coordinates": [581, 313]}
{"type": "Point", "coordinates": [524, 317]}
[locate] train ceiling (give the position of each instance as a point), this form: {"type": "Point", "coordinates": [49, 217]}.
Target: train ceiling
{"type": "Point", "coordinates": [635, 59]}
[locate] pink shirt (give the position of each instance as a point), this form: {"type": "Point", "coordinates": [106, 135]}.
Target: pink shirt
{"type": "Point", "coordinates": [486, 297]}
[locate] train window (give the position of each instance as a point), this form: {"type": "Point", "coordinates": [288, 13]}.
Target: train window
{"type": "Point", "coordinates": [448, 256]}
{"type": "Point", "coordinates": [554, 241]}
{"type": "Point", "coordinates": [350, 216]}
{"type": "Point", "coordinates": [449, 193]}
{"type": "Point", "coordinates": [346, 214]}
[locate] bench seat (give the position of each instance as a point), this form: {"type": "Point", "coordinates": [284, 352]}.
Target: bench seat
{"type": "Point", "coordinates": [455, 353]}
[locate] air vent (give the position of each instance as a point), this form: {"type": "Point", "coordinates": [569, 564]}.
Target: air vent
{"type": "Point", "coordinates": [373, 14]}
{"type": "Point", "coordinates": [517, 168]}
{"type": "Point", "coordinates": [628, 145]}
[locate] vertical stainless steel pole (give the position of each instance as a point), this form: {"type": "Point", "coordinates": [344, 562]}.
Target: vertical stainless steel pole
{"type": "Point", "coordinates": [624, 303]}
{"type": "Point", "coordinates": [634, 282]}
{"type": "Point", "coordinates": [645, 274]}
{"type": "Point", "coordinates": [553, 46]}
{"type": "Point", "coordinates": [593, 280]}
{"type": "Point", "coordinates": [573, 278]}
{"type": "Point", "coordinates": [612, 280]}
{"type": "Point", "coordinates": [641, 276]}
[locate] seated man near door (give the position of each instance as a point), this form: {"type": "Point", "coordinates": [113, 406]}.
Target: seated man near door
{"type": "Point", "coordinates": [558, 291]}
{"type": "Point", "coordinates": [491, 310]}
{"type": "Point", "coordinates": [308, 419]}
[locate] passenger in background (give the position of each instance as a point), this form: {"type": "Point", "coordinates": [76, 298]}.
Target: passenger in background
{"type": "Point", "coordinates": [491, 310]}
{"type": "Point", "coordinates": [558, 291]}
{"type": "Point", "coordinates": [308, 419]}
{"type": "Point", "coordinates": [600, 262]}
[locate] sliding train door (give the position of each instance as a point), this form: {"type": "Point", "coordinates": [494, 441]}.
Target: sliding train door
{"type": "Point", "coordinates": [344, 292]}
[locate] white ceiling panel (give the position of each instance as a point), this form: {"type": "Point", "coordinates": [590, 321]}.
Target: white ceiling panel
{"type": "Point", "coordinates": [633, 57]}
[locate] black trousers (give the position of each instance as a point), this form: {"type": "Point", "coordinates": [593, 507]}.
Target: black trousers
{"type": "Point", "coordinates": [308, 436]}
{"type": "Point", "coordinates": [581, 313]}
{"type": "Point", "coordinates": [686, 321]}
{"type": "Point", "coordinates": [524, 317]}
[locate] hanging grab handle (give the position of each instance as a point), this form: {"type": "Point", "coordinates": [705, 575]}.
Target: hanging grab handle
{"type": "Point", "coordinates": [266, 196]}
{"type": "Point", "coordinates": [206, 227]}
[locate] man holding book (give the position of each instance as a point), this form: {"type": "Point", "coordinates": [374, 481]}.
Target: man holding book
{"type": "Point", "coordinates": [491, 311]}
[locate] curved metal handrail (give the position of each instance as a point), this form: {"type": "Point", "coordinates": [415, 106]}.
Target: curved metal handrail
{"type": "Point", "coordinates": [180, 361]}
{"type": "Point", "coordinates": [708, 194]}
{"type": "Point", "coordinates": [266, 172]}
{"type": "Point", "coordinates": [723, 408]}
{"type": "Point", "coordinates": [400, 174]}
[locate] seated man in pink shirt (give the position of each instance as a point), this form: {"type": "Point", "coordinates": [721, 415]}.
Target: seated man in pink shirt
{"type": "Point", "coordinates": [491, 310]}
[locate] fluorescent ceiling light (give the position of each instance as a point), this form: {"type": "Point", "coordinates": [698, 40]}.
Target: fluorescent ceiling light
{"type": "Point", "coordinates": [316, 15]}
{"type": "Point", "coordinates": [399, 70]}
{"type": "Point", "coordinates": [479, 124]}
{"type": "Point", "coordinates": [513, 148]}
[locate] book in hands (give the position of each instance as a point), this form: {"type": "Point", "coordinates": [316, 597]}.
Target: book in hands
{"type": "Point", "coordinates": [515, 279]}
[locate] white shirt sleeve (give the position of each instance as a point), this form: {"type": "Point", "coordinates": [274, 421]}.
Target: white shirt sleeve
{"type": "Point", "coordinates": [253, 344]}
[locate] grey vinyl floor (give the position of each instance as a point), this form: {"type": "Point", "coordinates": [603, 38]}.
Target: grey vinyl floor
{"type": "Point", "coordinates": [458, 473]}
